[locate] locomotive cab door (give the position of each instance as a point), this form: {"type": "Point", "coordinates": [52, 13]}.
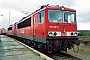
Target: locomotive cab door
{"type": "Point", "coordinates": [34, 27]}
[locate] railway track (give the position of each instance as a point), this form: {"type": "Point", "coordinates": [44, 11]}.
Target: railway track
{"type": "Point", "coordinates": [63, 56]}
{"type": "Point", "coordinates": [59, 55]}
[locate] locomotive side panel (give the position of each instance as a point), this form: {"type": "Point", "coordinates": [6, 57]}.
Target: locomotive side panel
{"type": "Point", "coordinates": [24, 28]}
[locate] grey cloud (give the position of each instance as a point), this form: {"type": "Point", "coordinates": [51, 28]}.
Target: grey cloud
{"type": "Point", "coordinates": [84, 18]}
{"type": "Point", "coordinates": [10, 6]}
{"type": "Point", "coordinates": [19, 5]}
{"type": "Point", "coordinates": [67, 3]}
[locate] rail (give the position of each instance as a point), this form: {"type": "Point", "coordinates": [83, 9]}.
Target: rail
{"type": "Point", "coordinates": [63, 56]}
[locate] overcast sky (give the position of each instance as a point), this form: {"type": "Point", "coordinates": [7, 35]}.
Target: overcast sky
{"type": "Point", "coordinates": [15, 7]}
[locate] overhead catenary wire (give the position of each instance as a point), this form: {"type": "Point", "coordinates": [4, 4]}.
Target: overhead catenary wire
{"type": "Point", "coordinates": [34, 4]}
{"type": "Point", "coordinates": [27, 4]}
{"type": "Point", "coordinates": [29, 9]}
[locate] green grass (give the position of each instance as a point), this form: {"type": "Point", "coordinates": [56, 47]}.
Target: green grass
{"type": "Point", "coordinates": [84, 37]}
{"type": "Point", "coordinates": [84, 51]}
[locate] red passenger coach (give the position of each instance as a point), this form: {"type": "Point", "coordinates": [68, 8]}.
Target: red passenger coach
{"type": "Point", "coordinates": [50, 27]}
{"type": "Point", "coordinates": [3, 31]}
{"type": "Point", "coordinates": [11, 30]}
{"type": "Point", "coordinates": [0, 32]}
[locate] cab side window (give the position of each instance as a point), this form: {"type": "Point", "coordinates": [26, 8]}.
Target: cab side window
{"type": "Point", "coordinates": [41, 17]}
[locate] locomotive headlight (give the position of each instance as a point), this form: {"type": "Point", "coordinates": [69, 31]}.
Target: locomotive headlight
{"type": "Point", "coordinates": [50, 33]}
{"type": "Point", "coordinates": [55, 33]}
{"type": "Point", "coordinates": [75, 34]}
{"type": "Point", "coordinates": [62, 8]}
{"type": "Point", "coordinates": [71, 33]}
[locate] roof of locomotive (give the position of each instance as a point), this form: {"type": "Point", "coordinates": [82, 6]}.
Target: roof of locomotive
{"type": "Point", "coordinates": [60, 8]}
{"type": "Point", "coordinates": [52, 7]}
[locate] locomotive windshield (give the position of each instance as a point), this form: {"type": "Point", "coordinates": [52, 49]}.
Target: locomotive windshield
{"type": "Point", "coordinates": [59, 16]}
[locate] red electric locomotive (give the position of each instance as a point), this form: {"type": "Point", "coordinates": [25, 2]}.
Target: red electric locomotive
{"type": "Point", "coordinates": [51, 27]}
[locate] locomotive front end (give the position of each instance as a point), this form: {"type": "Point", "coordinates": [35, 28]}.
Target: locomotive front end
{"type": "Point", "coordinates": [62, 29]}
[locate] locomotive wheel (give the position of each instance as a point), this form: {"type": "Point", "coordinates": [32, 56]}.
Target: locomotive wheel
{"type": "Point", "coordinates": [20, 39]}
{"type": "Point", "coordinates": [29, 42]}
{"type": "Point", "coordinates": [45, 47]}
{"type": "Point", "coordinates": [36, 45]}
{"type": "Point", "coordinates": [49, 49]}
{"type": "Point", "coordinates": [26, 41]}
{"type": "Point", "coordinates": [33, 44]}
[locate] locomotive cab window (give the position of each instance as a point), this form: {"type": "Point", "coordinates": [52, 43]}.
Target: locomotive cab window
{"type": "Point", "coordinates": [55, 16]}
{"type": "Point", "coordinates": [41, 17]}
{"type": "Point", "coordinates": [69, 17]}
{"type": "Point", "coordinates": [62, 16]}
